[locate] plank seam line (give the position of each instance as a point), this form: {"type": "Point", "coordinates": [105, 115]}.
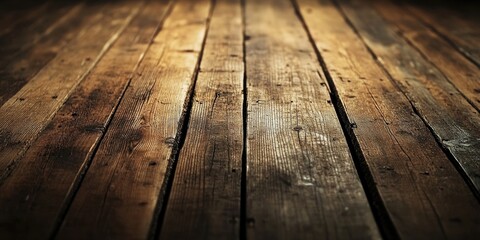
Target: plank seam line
{"type": "Point", "coordinates": [401, 34]}
{"type": "Point", "coordinates": [377, 206]}
{"type": "Point", "coordinates": [108, 44]}
{"type": "Point", "coordinates": [437, 138]}
{"type": "Point", "coordinates": [182, 130]}
{"type": "Point", "coordinates": [243, 181]}
{"type": "Point", "coordinates": [72, 192]}
{"type": "Point", "coordinates": [459, 49]}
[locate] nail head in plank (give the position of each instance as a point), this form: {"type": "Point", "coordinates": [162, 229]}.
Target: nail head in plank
{"type": "Point", "coordinates": [301, 179]}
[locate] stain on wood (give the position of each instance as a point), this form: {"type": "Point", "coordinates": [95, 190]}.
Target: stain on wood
{"type": "Point", "coordinates": [239, 119]}
{"type": "Point", "coordinates": [301, 179]}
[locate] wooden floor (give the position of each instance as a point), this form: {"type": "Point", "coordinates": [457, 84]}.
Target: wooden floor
{"type": "Point", "coordinates": [239, 119]}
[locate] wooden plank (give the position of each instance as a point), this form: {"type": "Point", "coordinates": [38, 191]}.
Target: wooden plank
{"type": "Point", "coordinates": [455, 27]}
{"type": "Point", "coordinates": [120, 193]}
{"type": "Point", "coordinates": [420, 193]}
{"type": "Point", "coordinates": [453, 120]}
{"type": "Point", "coordinates": [301, 179]}
{"type": "Point", "coordinates": [35, 27]}
{"type": "Point", "coordinates": [205, 198]}
{"type": "Point", "coordinates": [462, 73]}
{"type": "Point", "coordinates": [28, 112]}
{"type": "Point", "coordinates": [17, 70]}
{"type": "Point", "coordinates": [40, 188]}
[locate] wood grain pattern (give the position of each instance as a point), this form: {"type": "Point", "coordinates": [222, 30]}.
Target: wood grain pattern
{"type": "Point", "coordinates": [464, 34]}
{"type": "Point", "coordinates": [30, 109]}
{"type": "Point", "coordinates": [205, 199]}
{"type": "Point", "coordinates": [121, 189]}
{"type": "Point", "coordinates": [423, 195]}
{"type": "Point", "coordinates": [459, 70]}
{"type": "Point", "coordinates": [301, 180]}
{"type": "Point", "coordinates": [453, 120]}
{"type": "Point", "coordinates": [42, 185]}
{"type": "Point", "coordinates": [18, 69]}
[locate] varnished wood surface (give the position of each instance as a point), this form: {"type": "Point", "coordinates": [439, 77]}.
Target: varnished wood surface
{"type": "Point", "coordinates": [239, 119]}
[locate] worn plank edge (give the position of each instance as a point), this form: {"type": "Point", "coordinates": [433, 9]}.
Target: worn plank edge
{"type": "Point", "coordinates": [8, 169]}
{"type": "Point", "coordinates": [182, 130]}
{"type": "Point", "coordinates": [380, 213]}
{"type": "Point", "coordinates": [85, 166]}
{"type": "Point", "coordinates": [461, 50]}
{"type": "Point", "coordinates": [449, 154]}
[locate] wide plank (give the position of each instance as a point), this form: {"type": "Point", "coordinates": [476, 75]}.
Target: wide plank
{"type": "Point", "coordinates": [204, 202]}
{"type": "Point", "coordinates": [452, 119]}
{"type": "Point", "coordinates": [122, 189]}
{"type": "Point", "coordinates": [301, 181]}
{"type": "Point", "coordinates": [27, 113]}
{"type": "Point", "coordinates": [41, 187]}
{"type": "Point", "coordinates": [463, 33]}
{"type": "Point", "coordinates": [416, 191]}
{"type": "Point", "coordinates": [462, 73]}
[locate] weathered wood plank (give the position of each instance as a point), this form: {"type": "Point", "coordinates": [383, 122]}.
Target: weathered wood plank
{"type": "Point", "coordinates": [420, 191]}
{"type": "Point", "coordinates": [453, 120]}
{"type": "Point", "coordinates": [28, 112]}
{"type": "Point", "coordinates": [205, 198]}
{"type": "Point", "coordinates": [35, 27]}
{"type": "Point", "coordinates": [120, 192]}
{"type": "Point", "coordinates": [41, 187]}
{"type": "Point", "coordinates": [459, 70]}
{"type": "Point", "coordinates": [301, 179]}
{"type": "Point", "coordinates": [17, 70]}
{"type": "Point", "coordinates": [464, 34]}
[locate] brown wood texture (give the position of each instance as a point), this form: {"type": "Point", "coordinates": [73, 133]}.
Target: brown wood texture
{"type": "Point", "coordinates": [27, 113]}
{"type": "Point", "coordinates": [301, 180]}
{"type": "Point", "coordinates": [463, 74]}
{"type": "Point", "coordinates": [239, 119]}
{"type": "Point", "coordinates": [462, 32]}
{"type": "Point", "coordinates": [451, 118]}
{"type": "Point", "coordinates": [208, 173]}
{"type": "Point", "coordinates": [45, 179]}
{"type": "Point", "coordinates": [121, 190]}
{"type": "Point", "coordinates": [18, 69]}
{"type": "Point", "coordinates": [35, 26]}
{"type": "Point", "coordinates": [422, 194]}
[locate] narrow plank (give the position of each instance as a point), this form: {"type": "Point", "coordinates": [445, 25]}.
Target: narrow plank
{"type": "Point", "coordinates": [120, 193]}
{"type": "Point", "coordinates": [420, 191]}
{"type": "Point", "coordinates": [205, 198]}
{"type": "Point", "coordinates": [40, 188]}
{"type": "Point", "coordinates": [459, 70]}
{"type": "Point", "coordinates": [28, 112]}
{"type": "Point", "coordinates": [301, 179]}
{"type": "Point", "coordinates": [17, 70]}
{"type": "Point", "coordinates": [453, 120]}
{"type": "Point", "coordinates": [455, 27]}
